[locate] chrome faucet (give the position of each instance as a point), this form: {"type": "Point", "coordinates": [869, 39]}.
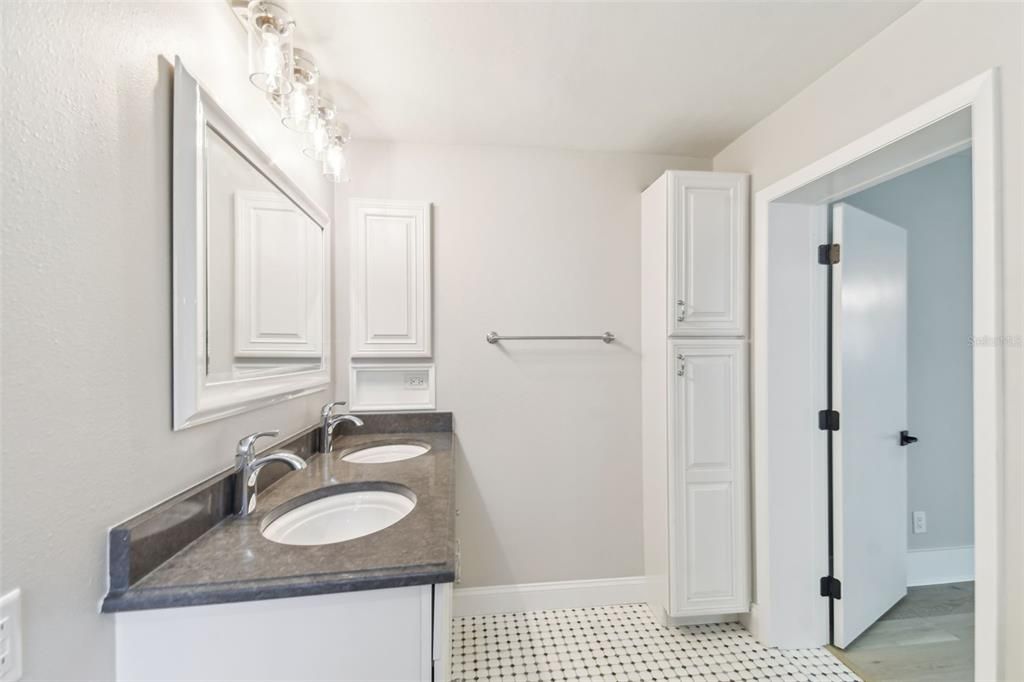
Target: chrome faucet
{"type": "Point", "coordinates": [248, 465]}
{"type": "Point", "coordinates": [328, 420]}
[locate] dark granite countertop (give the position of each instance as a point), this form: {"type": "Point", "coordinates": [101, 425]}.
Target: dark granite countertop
{"type": "Point", "coordinates": [232, 561]}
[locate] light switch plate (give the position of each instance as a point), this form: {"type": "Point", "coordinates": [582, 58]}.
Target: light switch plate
{"type": "Point", "coordinates": [10, 636]}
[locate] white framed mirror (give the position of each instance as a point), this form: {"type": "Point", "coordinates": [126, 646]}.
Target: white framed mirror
{"type": "Point", "coordinates": [250, 270]}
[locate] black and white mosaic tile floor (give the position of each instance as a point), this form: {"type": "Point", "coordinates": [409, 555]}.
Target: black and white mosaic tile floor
{"type": "Point", "coordinates": [623, 643]}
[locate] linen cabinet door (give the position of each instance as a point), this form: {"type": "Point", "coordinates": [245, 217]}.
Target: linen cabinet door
{"type": "Point", "coordinates": [391, 300]}
{"type": "Point", "coordinates": [708, 254]}
{"type": "Point", "coordinates": [708, 524]}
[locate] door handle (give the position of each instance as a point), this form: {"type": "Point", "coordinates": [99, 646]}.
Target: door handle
{"type": "Point", "coordinates": [906, 438]}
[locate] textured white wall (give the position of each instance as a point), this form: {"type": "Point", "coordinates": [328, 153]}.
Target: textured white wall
{"type": "Point", "coordinates": [530, 241]}
{"type": "Point", "coordinates": [934, 205]}
{"type": "Point", "coordinates": [934, 47]}
{"type": "Point", "coordinates": [86, 419]}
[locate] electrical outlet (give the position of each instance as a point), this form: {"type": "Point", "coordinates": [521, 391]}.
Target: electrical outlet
{"type": "Point", "coordinates": [416, 380]}
{"type": "Point", "coordinates": [920, 522]}
{"type": "Point", "coordinates": [10, 636]}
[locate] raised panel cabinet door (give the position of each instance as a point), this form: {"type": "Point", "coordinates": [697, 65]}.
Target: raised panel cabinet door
{"type": "Point", "coordinates": [708, 229]}
{"type": "Point", "coordinates": [708, 526]}
{"type": "Point", "coordinates": [391, 301]}
{"type": "Point", "coordinates": [278, 272]}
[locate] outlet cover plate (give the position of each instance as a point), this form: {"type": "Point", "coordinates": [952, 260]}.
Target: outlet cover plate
{"type": "Point", "coordinates": [920, 522]}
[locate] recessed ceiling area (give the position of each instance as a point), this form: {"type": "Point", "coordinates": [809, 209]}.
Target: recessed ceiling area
{"type": "Point", "coordinates": [679, 78]}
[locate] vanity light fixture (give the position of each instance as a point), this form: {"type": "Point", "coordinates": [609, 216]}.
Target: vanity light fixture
{"type": "Point", "coordinates": [300, 105]}
{"type": "Point", "coordinates": [271, 52]}
{"type": "Point", "coordinates": [291, 79]}
{"type": "Point", "coordinates": [335, 164]}
{"type": "Point", "coordinates": [324, 129]}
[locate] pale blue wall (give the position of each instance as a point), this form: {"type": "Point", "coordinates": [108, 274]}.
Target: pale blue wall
{"type": "Point", "coordinates": [934, 204]}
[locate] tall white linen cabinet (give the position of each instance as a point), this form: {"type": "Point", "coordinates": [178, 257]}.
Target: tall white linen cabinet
{"type": "Point", "coordinates": [694, 395]}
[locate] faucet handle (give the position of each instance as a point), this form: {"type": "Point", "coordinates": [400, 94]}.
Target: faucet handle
{"type": "Point", "coordinates": [247, 445]}
{"type": "Point", "coordinates": [329, 408]}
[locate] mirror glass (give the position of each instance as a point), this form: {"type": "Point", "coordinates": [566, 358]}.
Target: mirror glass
{"type": "Point", "coordinates": [264, 273]}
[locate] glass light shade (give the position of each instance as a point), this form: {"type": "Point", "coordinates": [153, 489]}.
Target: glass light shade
{"type": "Point", "coordinates": [318, 141]}
{"type": "Point", "coordinates": [322, 131]}
{"type": "Point", "coordinates": [300, 111]}
{"type": "Point", "coordinates": [271, 52]}
{"type": "Point", "coordinates": [335, 164]}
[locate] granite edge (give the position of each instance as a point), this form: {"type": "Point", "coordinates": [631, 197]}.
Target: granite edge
{"type": "Point", "coordinates": [139, 599]}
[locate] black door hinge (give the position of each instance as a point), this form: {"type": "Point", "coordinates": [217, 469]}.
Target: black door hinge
{"type": "Point", "coordinates": [830, 587]}
{"type": "Point", "coordinates": [828, 420]}
{"type": "Point", "coordinates": [828, 254]}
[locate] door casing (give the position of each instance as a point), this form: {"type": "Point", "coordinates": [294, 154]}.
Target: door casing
{"type": "Point", "coordinates": [786, 547]}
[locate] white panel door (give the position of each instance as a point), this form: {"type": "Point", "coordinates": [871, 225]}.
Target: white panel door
{"type": "Point", "coordinates": [391, 304]}
{"type": "Point", "coordinates": [869, 389]}
{"type": "Point", "coordinates": [708, 529]}
{"type": "Point", "coordinates": [278, 273]}
{"type": "Point", "coordinates": [708, 254]}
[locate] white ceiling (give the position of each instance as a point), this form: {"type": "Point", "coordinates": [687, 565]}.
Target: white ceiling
{"type": "Point", "coordinates": [682, 78]}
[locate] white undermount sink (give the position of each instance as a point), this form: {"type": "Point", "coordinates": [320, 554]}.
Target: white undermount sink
{"type": "Point", "coordinates": [339, 517]}
{"type": "Point", "coordinates": [389, 452]}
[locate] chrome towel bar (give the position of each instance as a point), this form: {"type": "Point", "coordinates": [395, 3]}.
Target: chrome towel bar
{"type": "Point", "coordinates": [494, 337]}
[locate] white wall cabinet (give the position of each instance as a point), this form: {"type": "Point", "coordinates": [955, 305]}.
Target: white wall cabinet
{"type": "Point", "coordinates": [393, 635]}
{"type": "Point", "coordinates": [695, 396]}
{"type": "Point", "coordinates": [706, 228]}
{"type": "Point", "coordinates": [391, 271]}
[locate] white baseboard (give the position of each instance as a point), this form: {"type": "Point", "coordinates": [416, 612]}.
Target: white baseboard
{"type": "Point", "coordinates": [940, 565]}
{"type": "Point", "coordinates": [482, 601]}
{"type": "Point", "coordinates": [751, 621]}
{"type": "Point", "coordinates": [683, 621]}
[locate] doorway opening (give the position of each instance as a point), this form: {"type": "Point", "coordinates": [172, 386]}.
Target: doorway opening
{"type": "Point", "coordinates": [797, 577]}
{"type": "Point", "coordinates": [901, 465]}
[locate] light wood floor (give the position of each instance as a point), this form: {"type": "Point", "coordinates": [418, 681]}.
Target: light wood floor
{"type": "Point", "coordinates": [928, 635]}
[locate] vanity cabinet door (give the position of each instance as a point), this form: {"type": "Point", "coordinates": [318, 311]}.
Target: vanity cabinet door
{"type": "Point", "coordinates": [363, 636]}
{"type": "Point", "coordinates": [708, 524]}
{"type": "Point", "coordinates": [707, 241]}
{"type": "Point", "coordinates": [391, 303]}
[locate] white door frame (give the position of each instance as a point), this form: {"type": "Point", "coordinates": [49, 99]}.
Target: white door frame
{"type": "Point", "coordinates": [766, 620]}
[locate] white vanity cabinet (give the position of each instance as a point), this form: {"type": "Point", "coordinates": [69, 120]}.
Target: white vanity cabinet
{"type": "Point", "coordinates": [399, 634]}
{"type": "Point", "coordinates": [695, 396]}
